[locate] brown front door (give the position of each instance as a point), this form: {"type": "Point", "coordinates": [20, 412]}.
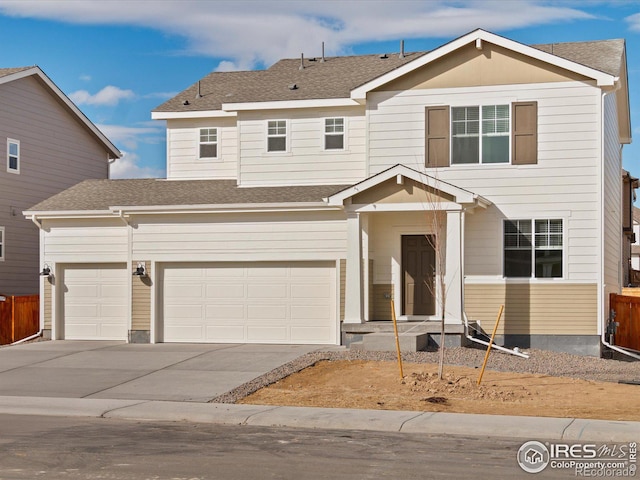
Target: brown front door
{"type": "Point", "coordinates": [418, 271]}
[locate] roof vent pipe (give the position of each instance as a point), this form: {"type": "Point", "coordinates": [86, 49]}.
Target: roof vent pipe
{"type": "Point", "coordinates": [302, 61]}
{"type": "Point", "coordinates": [199, 95]}
{"type": "Point", "coordinates": [322, 52]}
{"type": "Point", "coordinates": [401, 49]}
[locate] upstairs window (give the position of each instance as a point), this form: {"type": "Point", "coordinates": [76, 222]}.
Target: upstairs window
{"type": "Point", "coordinates": [334, 134]}
{"type": "Point", "coordinates": [13, 156]}
{"type": "Point", "coordinates": [533, 248]}
{"type": "Point", "coordinates": [277, 136]}
{"type": "Point", "coordinates": [480, 134]}
{"type": "Point", "coordinates": [1, 244]}
{"type": "Point", "coordinates": [487, 134]}
{"type": "Point", "coordinates": [208, 143]}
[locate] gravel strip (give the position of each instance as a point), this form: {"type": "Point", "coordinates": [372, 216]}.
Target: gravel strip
{"type": "Point", "coordinates": [539, 362]}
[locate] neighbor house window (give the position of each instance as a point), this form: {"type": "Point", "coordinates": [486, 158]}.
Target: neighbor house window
{"type": "Point", "coordinates": [208, 143]}
{"type": "Point", "coordinates": [13, 156]}
{"type": "Point", "coordinates": [480, 134]}
{"type": "Point", "coordinates": [533, 248]}
{"type": "Point", "coordinates": [277, 136]}
{"type": "Point", "coordinates": [334, 133]}
{"type": "Point", "coordinates": [1, 243]}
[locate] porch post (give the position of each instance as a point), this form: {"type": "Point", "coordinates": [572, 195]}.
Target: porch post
{"type": "Point", "coordinates": [353, 282]}
{"type": "Point", "coordinates": [453, 265]}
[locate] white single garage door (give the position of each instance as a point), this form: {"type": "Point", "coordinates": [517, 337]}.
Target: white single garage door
{"type": "Point", "coordinates": [250, 303]}
{"type": "Point", "coordinates": [95, 302]}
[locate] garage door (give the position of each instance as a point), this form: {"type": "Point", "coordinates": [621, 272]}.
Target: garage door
{"type": "Point", "coordinates": [250, 303]}
{"type": "Point", "coordinates": [95, 302]}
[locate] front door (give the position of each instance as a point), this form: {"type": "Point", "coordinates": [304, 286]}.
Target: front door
{"type": "Point", "coordinates": [418, 272]}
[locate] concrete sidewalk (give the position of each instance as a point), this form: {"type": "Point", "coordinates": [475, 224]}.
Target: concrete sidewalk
{"type": "Point", "coordinates": [175, 382]}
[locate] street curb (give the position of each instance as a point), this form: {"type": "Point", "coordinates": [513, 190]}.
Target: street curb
{"type": "Point", "coordinates": [428, 423]}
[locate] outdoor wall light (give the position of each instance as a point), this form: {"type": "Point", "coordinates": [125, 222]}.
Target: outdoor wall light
{"type": "Point", "coordinates": [46, 271]}
{"type": "Point", "coordinates": [140, 272]}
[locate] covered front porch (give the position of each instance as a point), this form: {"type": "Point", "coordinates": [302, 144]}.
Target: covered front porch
{"type": "Point", "coordinates": [405, 253]}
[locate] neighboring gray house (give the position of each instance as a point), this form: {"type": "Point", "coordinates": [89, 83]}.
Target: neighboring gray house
{"type": "Point", "coordinates": [50, 145]}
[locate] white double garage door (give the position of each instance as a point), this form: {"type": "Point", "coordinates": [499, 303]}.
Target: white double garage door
{"type": "Point", "coordinates": [260, 302]}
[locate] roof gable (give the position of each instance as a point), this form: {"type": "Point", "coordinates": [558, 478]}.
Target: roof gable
{"type": "Point", "coordinates": [477, 38]}
{"type": "Point", "coordinates": [13, 74]}
{"type": "Point", "coordinates": [425, 187]}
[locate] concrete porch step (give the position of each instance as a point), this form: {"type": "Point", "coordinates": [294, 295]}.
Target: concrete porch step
{"type": "Point", "coordinates": [386, 342]}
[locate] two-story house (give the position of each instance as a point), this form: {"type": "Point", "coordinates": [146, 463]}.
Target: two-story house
{"type": "Point", "coordinates": [48, 145]}
{"type": "Point", "coordinates": [302, 200]}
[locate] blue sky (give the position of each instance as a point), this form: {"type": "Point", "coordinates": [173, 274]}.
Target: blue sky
{"type": "Point", "coordinates": [118, 60]}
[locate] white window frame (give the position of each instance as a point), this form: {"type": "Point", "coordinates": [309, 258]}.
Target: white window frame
{"type": "Point", "coordinates": [534, 235]}
{"type": "Point", "coordinates": [342, 134]}
{"type": "Point", "coordinates": [509, 105]}
{"type": "Point", "coordinates": [2, 244]}
{"type": "Point", "coordinates": [216, 143]}
{"type": "Point", "coordinates": [11, 141]}
{"type": "Point", "coordinates": [278, 135]}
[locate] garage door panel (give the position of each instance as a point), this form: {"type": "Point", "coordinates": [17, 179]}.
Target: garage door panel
{"type": "Point", "coordinates": [222, 333]}
{"type": "Point", "coordinates": [251, 302]}
{"type": "Point", "coordinates": [224, 291]}
{"type": "Point", "coordinates": [267, 272]}
{"type": "Point", "coordinates": [278, 291]}
{"type": "Point", "coordinates": [231, 313]}
{"type": "Point", "coordinates": [184, 311]}
{"type": "Point", "coordinates": [308, 334]}
{"type": "Point", "coordinates": [95, 302]}
{"type": "Point", "coordinates": [258, 334]}
{"type": "Point", "coordinates": [188, 291]}
{"type": "Point", "coordinates": [265, 313]}
{"type": "Point", "coordinates": [309, 313]}
{"type": "Point", "coordinates": [314, 291]}
{"type": "Point", "coordinates": [184, 332]}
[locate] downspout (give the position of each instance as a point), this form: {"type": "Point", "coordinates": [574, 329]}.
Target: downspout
{"type": "Point", "coordinates": [39, 333]}
{"type": "Point", "coordinates": [601, 299]}
{"type": "Point", "coordinates": [464, 313]}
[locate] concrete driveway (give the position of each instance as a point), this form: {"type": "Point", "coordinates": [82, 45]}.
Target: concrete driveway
{"type": "Point", "coordinates": [116, 370]}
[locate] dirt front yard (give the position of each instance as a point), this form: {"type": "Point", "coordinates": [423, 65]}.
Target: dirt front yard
{"type": "Point", "coordinates": [377, 385]}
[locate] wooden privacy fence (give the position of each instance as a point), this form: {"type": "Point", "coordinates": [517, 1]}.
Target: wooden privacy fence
{"type": "Point", "coordinates": [19, 317]}
{"type": "Point", "coordinates": [627, 316]}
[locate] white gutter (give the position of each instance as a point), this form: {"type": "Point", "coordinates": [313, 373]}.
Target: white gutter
{"type": "Point", "coordinates": [464, 314]}
{"type": "Point", "coordinates": [601, 299]}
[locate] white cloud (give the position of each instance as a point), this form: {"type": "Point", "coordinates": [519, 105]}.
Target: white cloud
{"type": "Point", "coordinates": [127, 167]}
{"type": "Point", "coordinates": [130, 137]}
{"type": "Point", "coordinates": [634, 22]}
{"type": "Point", "coordinates": [109, 95]}
{"type": "Point", "coordinates": [246, 33]}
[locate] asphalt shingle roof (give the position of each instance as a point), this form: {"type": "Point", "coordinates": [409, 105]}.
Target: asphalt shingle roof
{"type": "Point", "coordinates": [102, 194]}
{"type": "Point", "coordinates": [336, 77]}
{"type": "Point", "coordinates": [333, 78]}
{"type": "Point", "coordinates": [10, 71]}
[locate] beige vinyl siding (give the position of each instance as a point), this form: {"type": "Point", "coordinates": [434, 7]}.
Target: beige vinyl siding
{"type": "Point", "coordinates": [305, 162]}
{"type": "Point", "coordinates": [381, 305]}
{"type": "Point", "coordinates": [56, 152]}
{"type": "Point", "coordinates": [85, 240]}
{"type": "Point", "coordinates": [535, 309]}
{"type": "Point", "coordinates": [565, 183]}
{"type": "Point", "coordinates": [141, 299]}
{"type": "Point", "coordinates": [183, 139]}
{"type": "Point", "coordinates": [241, 237]}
